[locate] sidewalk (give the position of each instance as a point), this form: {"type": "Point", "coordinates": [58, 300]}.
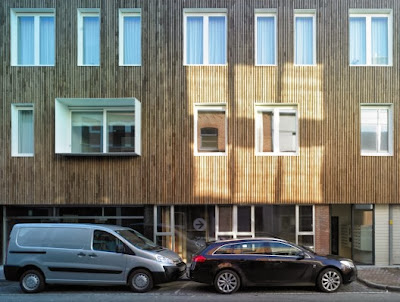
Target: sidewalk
{"type": "Point", "coordinates": [386, 278]}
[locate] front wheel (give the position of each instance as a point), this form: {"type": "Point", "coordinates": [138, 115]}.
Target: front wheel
{"type": "Point", "coordinates": [140, 281]}
{"type": "Point", "coordinates": [329, 280]}
{"type": "Point", "coordinates": [32, 281]}
{"type": "Point", "coordinates": [227, 282]}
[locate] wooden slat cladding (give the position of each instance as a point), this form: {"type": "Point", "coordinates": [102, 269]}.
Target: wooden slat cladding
{"type": "Point", "coordinates": [328, 169]}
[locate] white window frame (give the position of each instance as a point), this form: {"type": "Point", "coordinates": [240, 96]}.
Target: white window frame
{"type": "Point", "coordinates": [15, 108]}
{"type": "Point", "coordinates": [235, 233]}
{"type": "Point", "coordinates": [87, 12]}
{"type": "Point", "coordinates": [172, 225]}
{"type": "Point", "coordinates": [30, 12]}
{"type": "Point", "coordinates": [300, 233]}
{"type": "Point", "coordinates": [205, 13]}
{"type": "Point", "coordinates": [265, 13]}
{"type": "Point", "coordinates": [63, 122]}
{"type": "Point", "coordinates": [388, 107]}
{"type": "Point", "coordinates": [220, 107]}
{"type": "Point", "coordinates": [305, 13]}
{"type": "Point", "coordinates": [368, 14]}
{"type": "Point", "coordinates": [127, 12]}
{"type": "Point", "coordinates": [275, 109]}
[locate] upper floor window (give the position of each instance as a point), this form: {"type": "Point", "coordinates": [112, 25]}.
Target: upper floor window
{"type": "Point", "coordinates": [32, 37]}
{"type": "Point", "coordinates": [265, 38]}
{"type": "Point", "coordinates": [130, 37]}
{"type": "Point", "coordinates": [210, 125]}
{"type": "Point", "coordinates": [22, 133]}
{"type": "Point", "coordinates": [370, 37]}
{"type": "Point", "coordinates": [98, 126]}
{"type": "Point", "coordinates": [88, 37]}
{"type": "Point", "coordinates": [276, 130]}
{"type": "Point", "coordinates": [205, 38]}
{"type": "Point", "coordinates": [376, 130]}
{"type": "Point", "coordinates": [305, 37]}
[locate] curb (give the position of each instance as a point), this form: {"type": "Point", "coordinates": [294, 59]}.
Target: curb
{"type": "Point", "coordinates": [379, 286]}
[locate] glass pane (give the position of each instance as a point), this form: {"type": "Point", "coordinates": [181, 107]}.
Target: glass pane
{"type": "Point", "coordinates": [384, 146]}
{"type": "Point", "coordinates": [276, 221]}
{"type": "Point", "coordinates": [91, 40]}
{"type": "Point", "coordinates": [164, 219]}
{"type": "Point", "coordinates": [306, 240]}
{"type": "Point", "coordinates": [244, 219]}
{"type": "Point", "coordinates": [132, 40]}
{"type": "Point", "coordinates": [305, 218]}
{"type": "Point", "coordinates": [26, 41]}
{"type": "Point", "coordinates": [379, 40]}
{"type": "Point", "coordinates": [194, 40]}
{"type": "Point", "coordinates": [287, 132]}
{"type": "Point", "coordinates": [165, 241]}
{"type": "Point", "coordinates": [121, 131]}
{"type": "Point", "coordinates": [225, 218]}
{"type": "Point", "coordinates": [304, 41]}
{"type": "Point", "coordinates": [47, 41]}
{"type": "Point", "coordinates": [103, 241]}
{"type": "Point", "coordinates": [357, 41]}
{"type": "Point", "coordinates": [267, 132]}
{"type": "Point", "coordinates": [25, 132]}
{"type": "Point", "coordinates": [217, 40]}
{"type": "Point", "coordinates": [87, 132]}
{"type": "Point", "coordinates": [265, 40]}
{"type": "Point", "coordinates": [206, 139]}
{"type": "Point", "coordinates": [369, 128]}
{"type": "Point", "coordinates": [363, 236]}
{"type": "Point", "coordinates": [282, 249]}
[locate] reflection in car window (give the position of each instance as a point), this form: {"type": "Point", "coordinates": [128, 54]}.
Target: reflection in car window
{"type": "Point", "coordinates": [138, 240]}
{"type": "Point", "coordinates": [282, 249]}
{"type": "Point", "coordinates": [103, 241]}
{"type": "Point", "coordinates": [248, 248]}
{"type": "Point", "coordinates": [229, 249]}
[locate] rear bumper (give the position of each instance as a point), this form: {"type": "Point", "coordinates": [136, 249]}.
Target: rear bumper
{"type": "Point", "coordinates": [11, 272]}
{"type": "Point", "coordinates": [170, 273]}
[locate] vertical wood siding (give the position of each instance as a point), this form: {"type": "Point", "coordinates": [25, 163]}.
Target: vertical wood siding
{"type": "Point", "coordinates": [329, 168]}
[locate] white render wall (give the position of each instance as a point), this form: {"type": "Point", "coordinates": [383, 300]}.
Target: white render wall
{"type": "Point", "coordinates": [382, 235]}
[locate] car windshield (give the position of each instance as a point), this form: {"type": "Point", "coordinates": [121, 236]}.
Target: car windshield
{"type": "Point", "coordinates": [138, 240]}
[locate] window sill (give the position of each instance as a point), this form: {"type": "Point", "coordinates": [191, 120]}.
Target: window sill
{"type": "Point", "coordinates": [33, 65]}
{"type": "Point", "coordinates": [205, 65]}
{"type": "Point", "coordinates": [22, 155]}
{"type": "Point", "coordinates": [261, 154]}
{"type": "Point", "coordinates": [266, 65]}
{"type": "Point", "coordinates": [113, 154]}
{"type": "Point", "coordinates": [210, 154]}
{"type": "Point", "coordinates": [130, 65]}
{"type": "Point", "coordinates": [371, 65]}
{"type": "Point", "coordinates": [376, 154]}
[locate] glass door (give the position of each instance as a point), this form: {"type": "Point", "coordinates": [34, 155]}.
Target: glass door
{"type": "Point", "coordinates": [362, 237]}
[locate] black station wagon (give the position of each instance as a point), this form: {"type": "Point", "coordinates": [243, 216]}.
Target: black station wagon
{"type": "Point", "coordinates": [275, 262]}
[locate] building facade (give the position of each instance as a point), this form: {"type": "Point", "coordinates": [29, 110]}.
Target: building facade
{"type": "Point", "coordinates": [200, 120]}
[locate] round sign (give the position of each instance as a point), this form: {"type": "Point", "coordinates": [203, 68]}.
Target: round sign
{"type": "Point", "coordinates": [199, 224]}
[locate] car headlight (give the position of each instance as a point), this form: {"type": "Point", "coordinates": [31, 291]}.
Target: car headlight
{"type": "Point", "coordinates": [347, 263]}
{"type": "Point", "coordinates": [163, 259]}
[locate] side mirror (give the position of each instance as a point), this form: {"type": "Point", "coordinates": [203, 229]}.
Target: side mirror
{"type": "Point", "coordinates": [300, 255]}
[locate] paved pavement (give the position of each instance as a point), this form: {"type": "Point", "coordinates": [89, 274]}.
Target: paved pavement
{"type": "Point", "coordinates": [386, 278]}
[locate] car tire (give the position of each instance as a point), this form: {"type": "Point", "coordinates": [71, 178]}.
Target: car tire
{"type": "Point", "coordinates": [32, 281]}
{"type": "Point", "coordinates": [140, 281]}
{"type": "Point", "coordinates": [227, 282]}
{"type": "Point", "coordinates": [329, 280]}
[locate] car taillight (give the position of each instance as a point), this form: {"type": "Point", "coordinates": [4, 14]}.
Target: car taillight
{"type": "Point", "coordinates": [199, 258]}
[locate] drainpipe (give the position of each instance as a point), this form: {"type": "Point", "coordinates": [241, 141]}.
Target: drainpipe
{"type": "Point", "coordinates": [390, 235]}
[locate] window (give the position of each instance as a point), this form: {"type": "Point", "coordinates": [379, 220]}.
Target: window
{"type": "Point", "coordinates": [370, 37]}
{"type": "Point", "coordinates": [283, 249]}
{"type": "Point", "coordinates": [276, 130]}
{"type": "Point", "coordinates": [22, 130]}
{"type": "Point", "coordinates": [376, 130]}
{"type": "Point", "coordinates": [305, 32]}
{"type": "Point", "coordinates": [88, 37]}
{"type": "Point", "coordinates": [129, 37]}
{"type": "Point", "coordinates": [234, 221]}
{"type": "Point", "coordinates": [205, 38]}
{"type": "Point", "coordinates": [210, 126]}
{"type": "Point", "coordinates": [32, 37]}
{"type": "Point", "coordinates": [265, 38]}
{"type": "Point", "coordinates": [104, 241]}
{"type": "Point", "coordinates": [305, 225]}
{"type": "Point", "coordinates": [98, 126]}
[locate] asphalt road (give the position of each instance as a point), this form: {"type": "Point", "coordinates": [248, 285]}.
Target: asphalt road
{"type": "Point", "coordinates": [184, 291]}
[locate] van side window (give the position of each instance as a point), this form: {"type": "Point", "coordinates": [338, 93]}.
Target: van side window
{"type": "Point", "coordinates": [103, 241]}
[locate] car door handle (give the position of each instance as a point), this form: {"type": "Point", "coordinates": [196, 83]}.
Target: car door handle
{"type": "Point", "coordinates": [81, 254]}
{"type": "Point", "coordinates": [92, 255]}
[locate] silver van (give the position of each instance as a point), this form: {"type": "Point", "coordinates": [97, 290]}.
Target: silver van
{"type": "Point", "coordinates": [87, 254]}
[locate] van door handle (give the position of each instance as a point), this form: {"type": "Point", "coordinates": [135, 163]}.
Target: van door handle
{"type": "Point", "coordinates": [92, 255]}
{"type": "Point", "coordinates": [81, 254]}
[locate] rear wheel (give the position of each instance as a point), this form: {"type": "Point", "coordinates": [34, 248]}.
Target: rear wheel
{"type": "Point", "coordinates": [329, 280]}
{"type": "Point", "coordinates": [32, 281]}
{"type": "Point", "coordinates": [140, 281]}
{"type": "Point", "coordinates": [227, 282]}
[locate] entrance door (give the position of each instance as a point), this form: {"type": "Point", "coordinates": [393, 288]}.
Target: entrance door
{"type": "Point", "coordinates": [335, 235]}
{"type": "Point", "coordinates": [362, 238]}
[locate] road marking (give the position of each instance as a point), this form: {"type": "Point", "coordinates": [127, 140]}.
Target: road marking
{"type": "Point", "coordinates": [183, 286]}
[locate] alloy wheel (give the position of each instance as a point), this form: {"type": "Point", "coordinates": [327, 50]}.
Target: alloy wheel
{"type": "Point", "coordinates": [330, 281]}
{"type": "Point", "coordinates": [227, 282]}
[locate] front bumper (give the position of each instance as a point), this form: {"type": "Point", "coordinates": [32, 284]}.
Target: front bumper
{"type": "Point", "coordinates": [350, 275]}
{"type": "Point", "coordinates": [170, 273]}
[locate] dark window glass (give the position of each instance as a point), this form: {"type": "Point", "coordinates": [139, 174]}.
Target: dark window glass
{"type": "Point", "coordinates": [282, 249]}
{"type": "Point", "coordinates": [244, 219]}
{"type": "Point", "coordinates": [103, 241]}
{"type": "Point", "coordinates": [305, 218]}
{"type": "Point", "coordinates": [121, 131]}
